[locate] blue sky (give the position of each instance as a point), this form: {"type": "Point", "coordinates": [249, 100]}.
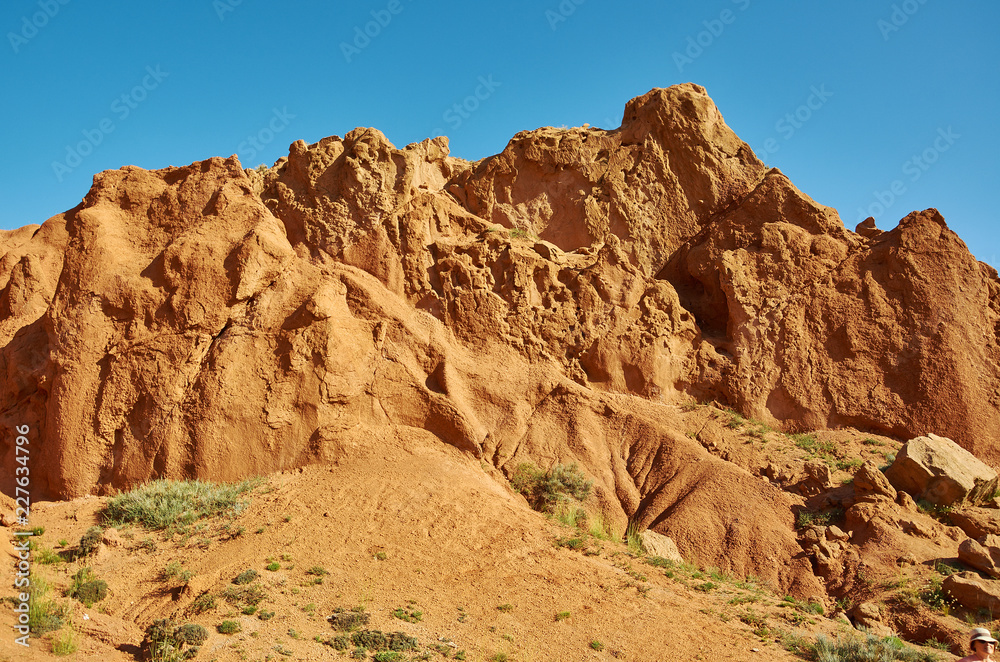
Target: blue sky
{"type": "Point", "coordinates": [872, 107]}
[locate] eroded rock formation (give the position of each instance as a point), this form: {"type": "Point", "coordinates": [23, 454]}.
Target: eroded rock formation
{"type": "Point", "coordinates": [546, 304]}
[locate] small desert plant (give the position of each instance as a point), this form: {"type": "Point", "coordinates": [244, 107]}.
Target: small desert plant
{"type": "Point", "coordinates": [64, 643]}
{"type": "Point", "coordinates": [408, 615]}
{"type": "Point", "coordinates": [164, 503]}
{"type": "Point", "coordinates": [316, 570]}
{"type": "Point", "coordinates": [166, 642]}
{"type": "Point", "coordinates": [596, 645]}
{"type": "Point", "coordinates": [43, 614]}
{"type": "Point", "coordinates": [90, 541]}
{"type": "Point", "coordinates": [273, 566]}
{"type": "Point", "coordinates": [870, 647]}
{"type": "Point", "coordinates": [46, 556]}
{"type": "Point", "coordinates": [173, 570]}
{"type": "Point", "coordinates": [633, 538]}
{"type": "Point", "coordinates": [805, 518]}
{"type": "Point", "coordinates": [545, 489]}
{"type": "Point", "coordinates": [228, 627]}
{"type": "Point", "coordinates": [244, 595]}
{"type": "Point", "coordinates": [245, 577]}
{"type": "Point", "coordinates": [505, 608]}
{"type": "Point", "coordinates": [344, 620]}
{"type": "Point", "coordinates": [204, 602]}
{"type": "Point", "coordinates": [86, 588]}
{"type": "Point", "coordinates": [376, 640]}
{"type": "Point", "coordinates": [562, 616]}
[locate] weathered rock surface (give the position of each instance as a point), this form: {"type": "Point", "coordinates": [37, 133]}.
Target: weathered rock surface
{"type": "Point", "coordinates": [980, 556]}
{"type": "Point", "coordinates": [972, 591]}
{"type": "Point", "coordinates": [210, 321]}
{"type": "Point", "coordinates": [976, 522]}
{"type": "Point", "coordinates": [869, 480]}
{"type": "Point", "coordinates": [868, 615]}
{"type": "Point", "coordinates": [942, 472]}
{"type": "Point", "coordinates": [656, 544]}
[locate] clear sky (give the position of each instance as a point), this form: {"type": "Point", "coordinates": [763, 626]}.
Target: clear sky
{"type": "Point", "coordinates": [870, 106]}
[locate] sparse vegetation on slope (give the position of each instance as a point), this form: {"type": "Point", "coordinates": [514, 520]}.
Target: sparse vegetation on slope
{"type": "Point", "coordinates": [545, 490]}
{"type": "Point", "coordinates": [163, 503]}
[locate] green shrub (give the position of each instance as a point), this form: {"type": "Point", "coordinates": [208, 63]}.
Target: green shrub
{"type": "Point", "coordinates": [245, 577]}
{"type": "Point", "coordinates": [346, 621]}
{"type": "Point", "coordinates": [46, 556]}
{"type": "Point", "coordinates": [244, 595]}
{"type": "Point", "coordinates": [505, 608]}
{"type": "Point", "coordinates": [228, 627]}
{"type": "Point", "coordinates": [596, 645]}
{"type": "Point", "coordinates": [340, 642]}
{"type": "Point", "coordinates": [91, 540]}
{"type": "Point", "coordinates": [805, 518]}
{"type": "Point", "coordinates": [408, 615]}
{"type": "Point", "coordinates": [375, 640]}
{"type": "Point", "coordinates": [204, 602]}
{"type": "Point", "coordinates": [166, 642]}
{"type": "Point", "coordinates": [318, 571]}
{"type": "Point", "coordinates": [545, 489]}
{"type": "Point", "coordinates": [192, 634]}
{"type": "Point", "coordinates": [44, 615]}
{"type": "Point", "coordinates": [163, 503]}
{"type": "Point", "coordinates": [86, 588]}
{"type": "Point", "coordinates": [274, 566]}
{"type": "Point", "coordinates": [65, 643]}
{"type": "Point", "coordinates": [870, 647]}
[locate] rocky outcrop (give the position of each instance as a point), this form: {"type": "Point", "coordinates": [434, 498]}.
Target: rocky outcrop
{"type": "Point", "coordinates": [546, 304]}
{"type": "Point", "coordinates": [942, 472]}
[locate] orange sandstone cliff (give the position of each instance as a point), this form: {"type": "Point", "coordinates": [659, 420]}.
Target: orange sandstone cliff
{"type": "Point", "coordinates": [552, 303]}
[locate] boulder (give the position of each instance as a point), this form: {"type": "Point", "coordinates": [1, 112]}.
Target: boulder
{"type": "Point", "coordinates": [942, 472]}
{"type": "Point", "coordinates": [972, 591]}
{"type": "Point", "coordinates": [870, 480]}
{"type": "Point", "coordinates": [980, 557]}
{"type": "Point", "coordinates": [657, 544]}
{"type": "Point", "coordinates": [868, 615]}
{"type": "Point", "coordinates": [834, 532]}
{"type": "Point", "coordinates": [976, 522]}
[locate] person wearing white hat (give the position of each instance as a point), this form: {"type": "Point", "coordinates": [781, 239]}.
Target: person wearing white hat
{"type": "Point", "coordinates": [983, 646]}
